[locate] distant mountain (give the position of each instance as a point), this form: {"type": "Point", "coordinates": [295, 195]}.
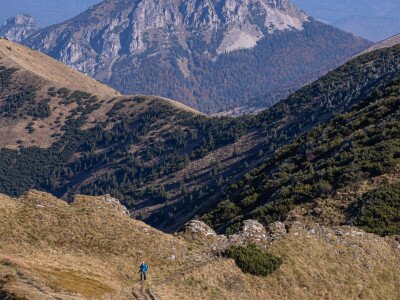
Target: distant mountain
{"type": "Point", "coordinates": [19, 27]}
{"type": "Point", "coordinates": [374, 20]}
{"type": "Point", "coordinates": [46, 12]}
{"type": "Point", "coordinates": [211, 55]}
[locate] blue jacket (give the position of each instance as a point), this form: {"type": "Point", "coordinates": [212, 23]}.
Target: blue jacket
{"type": "Point", "coordinates": [143, 268]}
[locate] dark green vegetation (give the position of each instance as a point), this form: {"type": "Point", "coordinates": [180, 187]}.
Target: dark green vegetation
{"type": "Point", "coordinates": [21, 103]}
{"type": "Point", "coordinates": [361, 143]}
{"type": "Point", "coordinates": [101, 149]}
{"type": "Point", "coordinates": [5, 75]}
{"type": "Point", "coordinates": [138, 147]}
{"type": "Point", "coordinates": [251, 259]}
{"type": "Point", "coordinates": [315, 104]}
{"type": "Point", "coordinates": [379, 211]}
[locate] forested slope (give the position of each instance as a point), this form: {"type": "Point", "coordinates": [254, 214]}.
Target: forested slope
{"type": "Point", "coordinates": [358, 143]}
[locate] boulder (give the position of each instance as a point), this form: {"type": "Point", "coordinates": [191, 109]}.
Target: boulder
{"type": "Point", "coordinates": [253, 230]}
{"type": "Point", "coordinates": [277, 229]}
{"type": "Point", "coordinates": [199, 228]}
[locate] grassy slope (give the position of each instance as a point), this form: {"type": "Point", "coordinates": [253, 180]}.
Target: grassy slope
{"type": "Point", "coordinates": [89, 249]}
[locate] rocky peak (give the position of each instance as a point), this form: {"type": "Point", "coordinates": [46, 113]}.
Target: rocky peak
{"type": "Point", "coordinates": [101, 202]}
{"type": "Point", "coordinates": [19, 27]}
{"type": "Point", "coordinates": [115, 204]}
{"type": "Point", "coordinates": [251, 231]}
{"type": "Point", "coordinates": [148, 28]}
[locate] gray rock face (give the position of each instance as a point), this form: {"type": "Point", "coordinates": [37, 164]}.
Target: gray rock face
{"type": "Point", "coordinates": [199, 228]}
{"type": "Point", "coordinates": [150, 27]}
{"type": "Point", "coordinates": [18, 28]}
{"type": "Point", "coordinates": [253, 229]}
{"type": "Point", "coordinates": [196, 52]}
{"type": "Point", "coordinates": [277, 229]}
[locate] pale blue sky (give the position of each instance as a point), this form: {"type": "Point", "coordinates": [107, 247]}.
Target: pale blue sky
{"type": "Point", "coordinates": [372, 19]}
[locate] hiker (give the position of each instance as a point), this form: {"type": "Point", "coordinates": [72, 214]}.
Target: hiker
{"type": "Point", "coordinates": [143, 271]}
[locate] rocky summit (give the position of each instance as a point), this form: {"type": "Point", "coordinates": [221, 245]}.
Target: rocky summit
{"type": "Point", "coordinates": [192, 51]}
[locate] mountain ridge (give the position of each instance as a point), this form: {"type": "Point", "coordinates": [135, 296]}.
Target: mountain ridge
{"type": "Point", "coordinates": [47, 13]}
{"type": "Point", "coordinates": [325, 157]}
{"type": "Point", "coordinates": [356, 144]}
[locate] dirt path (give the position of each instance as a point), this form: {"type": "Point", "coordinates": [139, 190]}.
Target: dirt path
{"type": "Point", "coordinates": [142, 291]}
{"type": "Point", "coordinates": [139, 291]}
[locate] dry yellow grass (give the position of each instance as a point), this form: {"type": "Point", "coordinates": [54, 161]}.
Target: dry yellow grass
{"type": "Point", "coordinates": [91, 250]}
{"type": "Point", "coordinates": [315, 267]}
{"type": "Point", "coordinates": [42, 72]}
{"type": "Point", "coordinates": [50, 70]}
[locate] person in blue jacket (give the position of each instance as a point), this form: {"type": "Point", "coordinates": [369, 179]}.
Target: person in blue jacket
{"type": "Point", "coordinates": [143, 271]}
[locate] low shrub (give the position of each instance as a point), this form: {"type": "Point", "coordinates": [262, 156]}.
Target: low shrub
{"type": "Point", "coordinates": [253, 260]}
{"type": "Point", "coordinates": [378, 211]}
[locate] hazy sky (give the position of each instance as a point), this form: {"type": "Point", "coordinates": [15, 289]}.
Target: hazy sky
{"type": "Point", "coordinates": [372, 19]}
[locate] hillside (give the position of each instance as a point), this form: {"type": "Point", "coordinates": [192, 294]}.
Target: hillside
{"type": "Point", "coordinates": [165, 162]}
{"type": "Point", "coordinates": [141, 148]}
{"type": "Point", "coordinates": [194, 52]}
{"type": "Point", "coordinates": [327, 171]}
{"type": "Point", "coordinates": [90, 249]}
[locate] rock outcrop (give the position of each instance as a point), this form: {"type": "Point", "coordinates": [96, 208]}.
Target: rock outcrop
{"type": "Point", "coordinates": [251, 232]}
{"type": "Point", "coordinates": [198, 228]}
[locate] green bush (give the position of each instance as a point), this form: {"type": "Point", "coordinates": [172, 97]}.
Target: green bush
{"type": "Point", "coordinates": [253, 260]}
{"type": "Point", "coordinates": [378, 211]}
